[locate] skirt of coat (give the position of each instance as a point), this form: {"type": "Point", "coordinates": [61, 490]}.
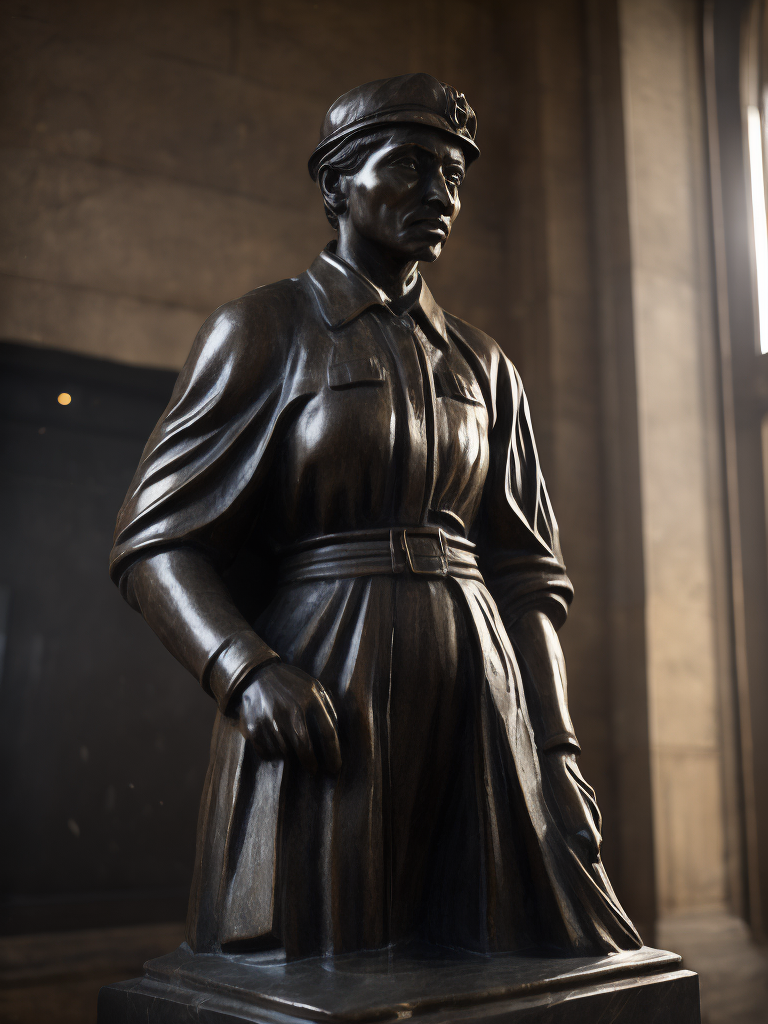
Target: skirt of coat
{"type": "Point", "coordinates": [436, 827]}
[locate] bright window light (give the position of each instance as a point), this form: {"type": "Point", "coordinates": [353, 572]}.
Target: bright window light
{"type": "Point", "coordinates": [755, 134]}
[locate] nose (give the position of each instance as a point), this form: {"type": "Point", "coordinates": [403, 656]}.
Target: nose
{"type": "Point", "coordinates": [438, 192]}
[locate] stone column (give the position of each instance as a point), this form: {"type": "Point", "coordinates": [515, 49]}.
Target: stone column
{"type": "Point", "coordinates": [690, 732]}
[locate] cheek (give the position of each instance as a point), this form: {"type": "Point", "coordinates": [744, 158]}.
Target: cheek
{"type": "Point", "coordinates": [375, 210]}
{"type": "Point", "coordinates": [375, 195]}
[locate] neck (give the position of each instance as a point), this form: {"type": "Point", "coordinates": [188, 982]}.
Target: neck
{"type": "Point", "coordinates": [393, 275]}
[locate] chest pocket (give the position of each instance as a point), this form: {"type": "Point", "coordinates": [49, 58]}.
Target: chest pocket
{"type": "Point", "coordinates": [452, 385]}
{"type": "Point", "coordinates": [351, 373]}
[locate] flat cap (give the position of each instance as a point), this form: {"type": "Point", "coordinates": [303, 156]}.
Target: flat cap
{"type": "Point", "coordinates": [407, 99]}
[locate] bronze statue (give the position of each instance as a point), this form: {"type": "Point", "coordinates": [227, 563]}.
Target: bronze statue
{"type": "Point", "coordinates": [340, 527]}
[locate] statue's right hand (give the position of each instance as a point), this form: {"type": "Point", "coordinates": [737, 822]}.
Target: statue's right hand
{"type": "Point", "coordinates": [284, 711]}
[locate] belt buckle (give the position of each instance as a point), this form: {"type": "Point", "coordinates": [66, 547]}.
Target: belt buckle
{"type": "Point", "coordinates": [412, 557]}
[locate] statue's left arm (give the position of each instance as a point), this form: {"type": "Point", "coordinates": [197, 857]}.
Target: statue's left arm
{"type": "Point", "coordinates": [524, 570]}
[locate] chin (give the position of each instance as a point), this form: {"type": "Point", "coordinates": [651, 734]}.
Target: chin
{"type": "Point", "coordinates": [429, 253]}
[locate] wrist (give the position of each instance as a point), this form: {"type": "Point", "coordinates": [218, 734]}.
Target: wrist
{"type": "Point", "coordinates": [241, 655]}
{"type": "Point", "coordinates": [256, 676]}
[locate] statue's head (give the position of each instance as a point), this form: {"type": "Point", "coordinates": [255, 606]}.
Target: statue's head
{"type": "Point", "coordinates": [391, 160]}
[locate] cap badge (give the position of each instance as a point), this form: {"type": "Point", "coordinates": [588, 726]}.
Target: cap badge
{"type": "Point", "coordinates": [459, 113]}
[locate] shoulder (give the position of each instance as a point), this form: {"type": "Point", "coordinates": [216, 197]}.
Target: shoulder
{"type": "Point", "coordinates": [256, 328]}
{"type": "Point", "coordinates": [481, 342]}
{"type": "Point", "coordinates": [482, 345]}
{"type": "Point", "coordinates": [272, 300]}
{"type": "Point", "coordinates": [497, 368]}
{"type": "Point", "coordinates": [267, 311]}
{"type": "Point", "coordinates": [245, 342]}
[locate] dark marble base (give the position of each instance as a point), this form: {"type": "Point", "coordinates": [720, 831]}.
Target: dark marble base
{"type": "Point", "coordinates": [438, 986]}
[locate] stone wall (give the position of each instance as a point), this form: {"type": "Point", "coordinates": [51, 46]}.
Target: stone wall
{"type": "Point", "coordinates": [154, 157]}
{"type": "Point", "coordinates": [674, 343]}
{"type": "Point", "coordinates": [698, 842]}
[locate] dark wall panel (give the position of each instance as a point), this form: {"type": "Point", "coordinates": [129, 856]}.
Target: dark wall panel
{"type": "Point", "coordinates": [104, 737]}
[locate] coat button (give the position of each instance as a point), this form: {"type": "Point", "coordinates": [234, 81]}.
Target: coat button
{"type": "Point", "coordinates": [407, 322]}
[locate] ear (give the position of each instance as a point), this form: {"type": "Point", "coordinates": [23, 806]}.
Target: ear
{"type": "Point", "coordinates": [332, 185]}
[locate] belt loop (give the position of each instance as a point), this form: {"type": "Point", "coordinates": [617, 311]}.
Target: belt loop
{"type": "Point", "coordinates": [397, 567]}
{"type": "Point", "coordinates": [443, 548]}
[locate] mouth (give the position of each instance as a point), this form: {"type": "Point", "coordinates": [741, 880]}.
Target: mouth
{"type": "Point", "coordinates": [431, 225]}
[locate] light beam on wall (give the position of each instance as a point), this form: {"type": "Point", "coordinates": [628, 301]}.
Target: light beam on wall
{"type": "Point", "coordinates": [755, 136]}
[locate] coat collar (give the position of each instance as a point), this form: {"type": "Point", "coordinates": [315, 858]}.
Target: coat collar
{"type": "Point", "coordinates": [343, 294]}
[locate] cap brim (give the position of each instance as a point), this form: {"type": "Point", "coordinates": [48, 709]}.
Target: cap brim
{"type": "Point", "coordinates": [419, 117]}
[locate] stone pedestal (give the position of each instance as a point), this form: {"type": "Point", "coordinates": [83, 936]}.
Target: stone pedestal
{"type": "Point", "coordinates": [437, 986]}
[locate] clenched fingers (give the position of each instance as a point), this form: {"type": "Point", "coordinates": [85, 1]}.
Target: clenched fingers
{"type": "Point", "coordinates": [302, 743]}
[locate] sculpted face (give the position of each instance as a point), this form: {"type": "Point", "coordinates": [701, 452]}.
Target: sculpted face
{"type": "Point", "coordinates": [405, 197]}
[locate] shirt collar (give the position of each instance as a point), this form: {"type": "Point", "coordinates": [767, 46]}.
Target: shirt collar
{"type": "Point", "coordinates": [343, 294]}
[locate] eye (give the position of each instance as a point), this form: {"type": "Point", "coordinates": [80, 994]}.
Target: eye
{"type": "Point", "coordinates": [407, 161]}
{"type": "Point", "coordinates": [453, 173]}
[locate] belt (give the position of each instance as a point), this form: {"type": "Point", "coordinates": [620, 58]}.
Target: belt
{"type": "Point", "coordinates": [416, 550]}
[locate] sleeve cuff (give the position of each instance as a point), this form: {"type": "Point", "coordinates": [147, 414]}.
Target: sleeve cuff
{"type": "Point", "coordinates": [521, 584]}
{"type": "Point", "coordinates": [226, 670]}
{"type": "Point", "coordinates": [554, 606]}
{"type": "Point", "coordinates": [561, 739]}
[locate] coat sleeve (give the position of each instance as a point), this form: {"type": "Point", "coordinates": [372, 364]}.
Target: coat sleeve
{"type": "Point", "coordinates": [198, 489]}
{"type": "Point", "coordinates": [518, 540]}
{"type": "Point", "coordinates": [521, 562]}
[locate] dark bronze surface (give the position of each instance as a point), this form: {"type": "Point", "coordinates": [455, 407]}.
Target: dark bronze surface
{"type": "Point", "coordinates": [340, 527]}
{"type": "Point", "coordinates": [637, 987]}
{"type": "Point", "coordinates": [408, 99]}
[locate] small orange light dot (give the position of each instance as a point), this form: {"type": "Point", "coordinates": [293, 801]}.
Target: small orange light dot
{"type": "Point", "coordinates": [64, 398]}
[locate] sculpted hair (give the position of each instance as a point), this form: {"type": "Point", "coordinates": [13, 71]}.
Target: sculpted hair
{"type": "Point", "coordinates": [347, 158]}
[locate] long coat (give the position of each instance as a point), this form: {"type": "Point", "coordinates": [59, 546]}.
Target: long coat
{"type": "Point", "coordinates": [311, 413]}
